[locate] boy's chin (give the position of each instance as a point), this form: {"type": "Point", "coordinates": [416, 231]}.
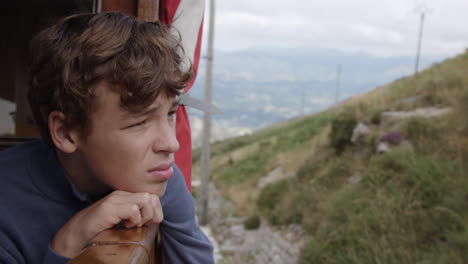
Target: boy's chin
{"type": "Point", "coordinates": [159, 190]}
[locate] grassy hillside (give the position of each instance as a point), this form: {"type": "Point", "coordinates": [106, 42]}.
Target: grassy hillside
{"type": "Point", "coordinates": [409, 205]}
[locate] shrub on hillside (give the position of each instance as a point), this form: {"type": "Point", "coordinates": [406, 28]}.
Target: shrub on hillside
{"type": "Point", "coordinates": [342, 131]}
{"type": "Point", "coordinates": [371, 141]}
{"type": "Point", "coordinates": [291, 208]}
{"type": "Point", "coordinates": [252, 222]}
{"type": "Point", "coordinates": [271, 194]}
{"type": "Point", "coordinates": [375, 118]}
{"type": "Point", "coordinates": [270, 197]}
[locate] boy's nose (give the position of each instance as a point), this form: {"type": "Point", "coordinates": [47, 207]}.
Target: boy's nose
{"type": "Point", "coordinates": [166, 140]}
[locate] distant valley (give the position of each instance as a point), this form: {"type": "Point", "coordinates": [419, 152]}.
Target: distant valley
{"type": "Point", "coordinates": [258, 88]}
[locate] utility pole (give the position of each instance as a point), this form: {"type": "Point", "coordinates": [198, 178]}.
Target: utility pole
{"type": "Point", "coordinates": [423, 9]}
{"type": "Point", "coordinates": [205, 152]}
{"type": "Point", "coordinates": [338, 76]}
{"type": "Point", "coordinates": [418, 52]}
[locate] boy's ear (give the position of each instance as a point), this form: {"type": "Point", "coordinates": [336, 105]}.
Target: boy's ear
{"type": "Point", "coordinates": [64, 139]}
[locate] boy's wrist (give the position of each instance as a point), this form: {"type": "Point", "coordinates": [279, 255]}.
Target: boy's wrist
{"type": "Point", "coordinates": [66, 243]}
{"type": "Point", "coordinates": [53, 257]}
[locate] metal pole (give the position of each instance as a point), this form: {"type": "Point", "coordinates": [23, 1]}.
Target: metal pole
{"type": "Point", "coordinates": [205, 152]}
{"type": "Point", "coordinates": [418, 52]}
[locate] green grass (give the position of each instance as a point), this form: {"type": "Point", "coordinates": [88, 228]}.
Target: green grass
{"type": "Point", "coordinates": [407, 209]}
{"type": "Point", "coordinates": [247, 168]}
{"type": "Point", "coordinates": [254, 166]}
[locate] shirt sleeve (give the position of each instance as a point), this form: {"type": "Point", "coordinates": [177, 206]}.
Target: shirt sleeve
{"type": "Point", "coordinates": [7, 258]}
{"type": "Point", "coordinates": [53, 257]}
{"type": "Point", "coordinates": [182, 239]}
{"type": "Point", "coordinates": [12, 256]}
{"type": "Point", "coordinates": [9, 254]}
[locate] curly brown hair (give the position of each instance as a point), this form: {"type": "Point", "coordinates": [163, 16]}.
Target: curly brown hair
{"type": "Point", "coordinates": [140, 59]}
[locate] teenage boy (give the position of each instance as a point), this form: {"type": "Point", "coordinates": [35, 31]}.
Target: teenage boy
{"type": "Point", "coordinates": [104, 93]}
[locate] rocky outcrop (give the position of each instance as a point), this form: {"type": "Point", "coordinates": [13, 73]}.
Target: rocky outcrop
{"type": "Point", "coordinates": [265, 245]}
{"type": "Point", "coordinates": [419, 112]}
{"type": "Point", "coordinates": [275, 175]}
{"type": "Point", "coordinates": [359, 131]}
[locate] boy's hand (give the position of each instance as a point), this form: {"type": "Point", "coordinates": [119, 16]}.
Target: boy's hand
{"type": "Point", "coordinates": [135, 209]}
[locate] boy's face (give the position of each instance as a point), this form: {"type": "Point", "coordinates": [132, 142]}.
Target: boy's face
{"type": "Point", "coordinates": [128, 151]}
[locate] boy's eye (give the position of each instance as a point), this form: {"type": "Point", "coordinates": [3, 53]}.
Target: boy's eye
{"type": "Point", "coordinates": [171, 114]}
{"type": "Point", "coordinates": [138, 124]}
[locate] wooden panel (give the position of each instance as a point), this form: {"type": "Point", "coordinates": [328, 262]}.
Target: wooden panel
{"type": "Point", "coordinates": [148, 10]}
{"type": "Point", "coordinates": [120, 245]}
{"type": "Point", "coordinates": [26, 130]}
{"type": "Point", "coordinates": [144, 10]}
{"type": "Point", "coordinates": [112, 254]}
{"type": "Point", "coordinates": [128, 7]}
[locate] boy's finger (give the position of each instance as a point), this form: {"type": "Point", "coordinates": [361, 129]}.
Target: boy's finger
{"type": "Point", "coordinates": [147, 212]}
{"type": "Point", "coordinates": [131, 213]}
{"type": "Point", "coordinates": [146, 203]}
{"type": "Point", "coordinates": [158, 213]}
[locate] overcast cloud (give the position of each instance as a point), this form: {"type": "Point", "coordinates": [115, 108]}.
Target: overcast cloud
{"type": "Point", "coordinates": [383, 28]}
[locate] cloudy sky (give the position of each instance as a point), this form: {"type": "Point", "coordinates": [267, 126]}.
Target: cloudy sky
{"type": "Point", "coordinates": [379, 27]}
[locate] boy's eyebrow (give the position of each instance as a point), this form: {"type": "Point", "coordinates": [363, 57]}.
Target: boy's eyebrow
{"type": "Point", "coordinates": [151, 109]}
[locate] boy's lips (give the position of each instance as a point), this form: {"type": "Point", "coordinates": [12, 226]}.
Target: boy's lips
{"type": "Point", "coordinates": [162, 172]}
